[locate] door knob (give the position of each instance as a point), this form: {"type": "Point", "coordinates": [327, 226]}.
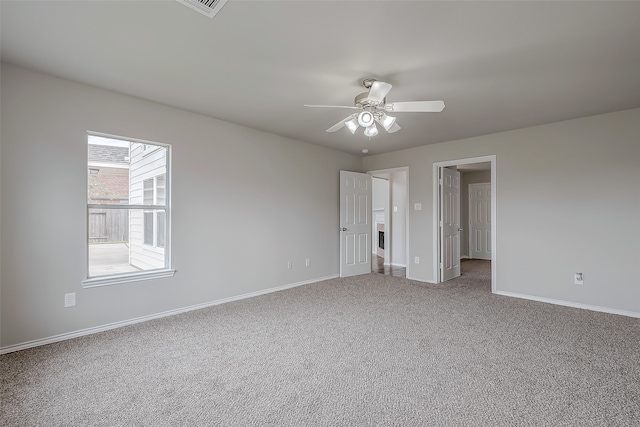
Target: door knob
{"type": "Point", "coordinates": [343, 229]}
{"type": "Point", "coordinates": [459, 229]}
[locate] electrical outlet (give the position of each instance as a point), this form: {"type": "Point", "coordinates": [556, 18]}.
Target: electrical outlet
{"type": "Point", "coordinates": [307, 262]}
{"type": "Point", "coordinates": [417, 260]}
{"type": "Point", "coordinates": [417, 206]}
{"type": "Point", "coordinates": [578, 279]}
{"type": "Point", "coordinates": [70, 299]}
{"type": "Point", "coordinates": [290, 265]}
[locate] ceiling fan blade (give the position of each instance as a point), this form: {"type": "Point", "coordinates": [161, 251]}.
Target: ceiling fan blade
{"type": "Point", "coordinates": [340, 124]}
{"type": "Point", "coordinates": [332, 106]}
{"type": "Point", "coordinates": [378, 91]}
{"type": "Point", "coordinates": [414, 107]}
{"type": "Point", "coordinates": [394, 128]}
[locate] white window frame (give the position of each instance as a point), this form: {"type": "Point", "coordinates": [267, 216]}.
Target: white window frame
{"type": "Point", "coordinates": [136, 276]}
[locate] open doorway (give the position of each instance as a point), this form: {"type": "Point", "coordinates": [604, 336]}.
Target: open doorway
{"type": "Point", "coordinates": [390, 222]}
{"type": "Point", "coordinates": [464, 223]}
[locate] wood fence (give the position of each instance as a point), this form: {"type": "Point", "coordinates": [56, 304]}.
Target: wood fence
{"type": "Point", "coordinates": [108, 225]}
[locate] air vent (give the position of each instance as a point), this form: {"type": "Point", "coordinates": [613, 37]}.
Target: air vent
{"type": "Point", "coordinates": [206, 7]}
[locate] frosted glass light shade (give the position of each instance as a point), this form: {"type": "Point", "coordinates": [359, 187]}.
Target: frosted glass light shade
{"type": "Point", "coordinates": [387, 121]}
{"type": "Point", "coordinates": [352, 125]}
{"type": "Point", "coordinates": [371, 130]}
{"type": "Point", "coordinates": [365, 119]}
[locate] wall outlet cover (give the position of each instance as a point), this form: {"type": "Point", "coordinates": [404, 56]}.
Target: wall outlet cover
{"type": "Point", "coordinates": [70, 299]}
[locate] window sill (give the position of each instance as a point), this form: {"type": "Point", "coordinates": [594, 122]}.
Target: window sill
{"type": "Point", "coordinates": [127, 278]}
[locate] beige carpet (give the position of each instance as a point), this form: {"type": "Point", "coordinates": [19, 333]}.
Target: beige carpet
{"type": "Point", "coordinates": [371, 350]}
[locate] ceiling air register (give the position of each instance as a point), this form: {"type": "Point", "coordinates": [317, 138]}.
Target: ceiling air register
{"type": "Point", "coordinates": [206, 7]}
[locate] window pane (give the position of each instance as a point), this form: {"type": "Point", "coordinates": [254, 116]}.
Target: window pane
{"type": "Point", "coordinates": [160, 215]}
{"type": "Point", "coordinates": [160, 190]}
{"type": "Point", "coordinates": [147, 192]}
{"type": "Point", "coordinates": [148, 228]}
{"type": "Point", "coordinates": [116, 241]}
{"type": "Point", "coordinates": [123, 172]}
{"type": "Point", "coordinates": [109, 242]}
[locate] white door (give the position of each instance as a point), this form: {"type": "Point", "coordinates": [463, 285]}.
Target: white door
{"type": "Point", "coordinates": [449, 224]}
{"type": "Point", "coordinates": [355, 223]}
{"type": "Point", "coordinates": [480, 221]}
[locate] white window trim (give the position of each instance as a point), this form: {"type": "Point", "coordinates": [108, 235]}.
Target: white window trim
{"type": "Point", "coordinates": [115, 279]}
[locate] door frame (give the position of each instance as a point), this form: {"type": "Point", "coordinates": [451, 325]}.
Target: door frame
{"type": "Point", "coordinates": [404, 169]}
{"type": "Point", "coordinates": [387, 224]}
{"type": "Point", "coordinates": [436, 214]}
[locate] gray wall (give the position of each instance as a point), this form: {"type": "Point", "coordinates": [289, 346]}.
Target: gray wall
{"type": "Point", "coordinates": [380, 193]}
{"type": "Point", "coordinates": [244, 203]}
{"type": "Point", "coordinates": [467, 178]}
{"type": "Point", "coordinates": [567, 201]}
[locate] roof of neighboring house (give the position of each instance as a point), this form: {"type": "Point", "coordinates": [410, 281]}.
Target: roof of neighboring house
{"type": "Point", "coordinates": [108, 154]}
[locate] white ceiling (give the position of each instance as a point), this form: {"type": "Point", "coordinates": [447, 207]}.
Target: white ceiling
{"type": "Point", "coordinates": [497, 65]}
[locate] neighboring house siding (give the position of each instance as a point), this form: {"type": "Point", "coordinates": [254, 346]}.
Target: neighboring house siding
{"type": "Point", "coordinates": [144, 165]}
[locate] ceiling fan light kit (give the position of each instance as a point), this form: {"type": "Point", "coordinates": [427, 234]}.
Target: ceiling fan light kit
{"type": "Point", "coordinates": [386, 121]}
{"type": "Point", "coordinates": [352, 125]}
{"type": "Point", "coordinates": [365, 119]}
{"type": "Point", "coordinates": [371, 130]}
{"type": "Point", "coordinates": [374, 108]}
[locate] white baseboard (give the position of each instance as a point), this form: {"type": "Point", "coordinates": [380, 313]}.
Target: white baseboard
{"type": "Point", "coordinates": [421, 280]}
{"type": "Point", "coordinates": [102, 328]}
{"type": "Point", "coordinates": [570, 304]}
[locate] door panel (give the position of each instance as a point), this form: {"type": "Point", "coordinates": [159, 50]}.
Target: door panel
{"type": "Point", "coordinates": [480, 221]}
{"type": "Point", "coordinates": [355, 223]}
{"type": "Point", "coordinates": [450, 224]}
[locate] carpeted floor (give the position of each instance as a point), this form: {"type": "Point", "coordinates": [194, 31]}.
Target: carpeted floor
{"type": "Point", "coordinates": [371, 350]}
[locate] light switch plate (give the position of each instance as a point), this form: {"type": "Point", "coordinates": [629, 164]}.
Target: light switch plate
{"type": "Point", "coordinates": [417, 206]}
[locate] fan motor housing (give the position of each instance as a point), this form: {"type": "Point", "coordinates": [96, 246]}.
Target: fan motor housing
{"type": "Point", "coordinates": [361, 101]}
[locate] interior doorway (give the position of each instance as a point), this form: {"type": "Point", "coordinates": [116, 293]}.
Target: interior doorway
{"type": "Point", "coordinates": [471, 171]}
{"type": "Point", "coordinates": [390, 222]}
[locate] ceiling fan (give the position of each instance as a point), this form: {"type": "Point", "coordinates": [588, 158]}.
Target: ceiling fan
{"type": "Point", "coordinates": [373, 108]}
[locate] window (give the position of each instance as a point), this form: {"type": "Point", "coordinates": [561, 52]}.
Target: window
{"type": "Point", "coordinates": [154, 190]}
{"type": "Point", "coordinates": [128, 210]}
